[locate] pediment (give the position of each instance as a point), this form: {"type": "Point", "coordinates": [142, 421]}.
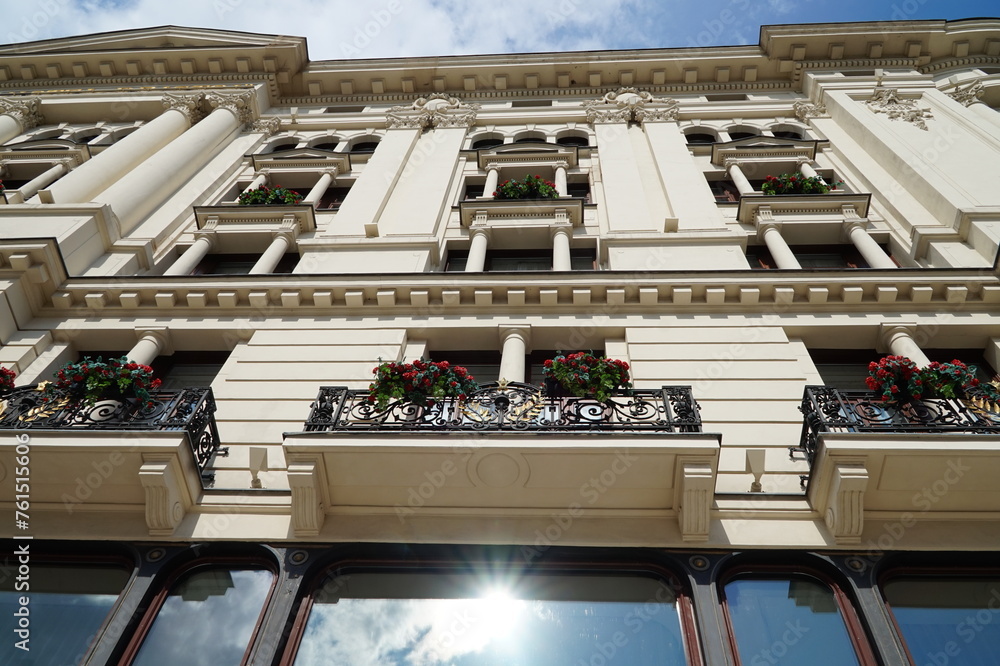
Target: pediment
{"type": "Point", "coordinates": [304, 158]}
{"type": "Point", "coordinates": [539, 151]}
{"type": "Point", "coordinates": [159, 38]}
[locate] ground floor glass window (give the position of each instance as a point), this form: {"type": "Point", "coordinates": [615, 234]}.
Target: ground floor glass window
{"type": "Point", "coordinates": [427, 619]}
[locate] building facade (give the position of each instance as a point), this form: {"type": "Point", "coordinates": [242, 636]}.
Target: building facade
{"type": "Point", "coordinates": [749, 501]}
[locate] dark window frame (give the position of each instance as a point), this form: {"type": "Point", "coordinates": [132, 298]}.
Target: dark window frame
{"type": "Point", "coordinates": [152, 609]}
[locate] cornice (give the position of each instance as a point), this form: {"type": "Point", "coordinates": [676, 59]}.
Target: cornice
{"type": "Point", "coordinates": [731, 292]}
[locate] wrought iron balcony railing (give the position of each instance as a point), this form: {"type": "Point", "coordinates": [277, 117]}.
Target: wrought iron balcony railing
{"type": "Point", "coordinates": [828, 409]}
{"type": "Point", "coordinates": [510, 407]}
{"type": "Point", "coordinates": [191, 410]}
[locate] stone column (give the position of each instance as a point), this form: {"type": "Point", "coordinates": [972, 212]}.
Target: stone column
{"type": "Point", "coordinates": [260, 178]}
{"type": "Point", "coordinates": [783, 255]}
{"type": "Point", "coordinates": [561, 179]}
{"type": "Point", "coordinates": [104, 169]}
{"type": "Point", "coordinates": [192, 256]}
{"type": "Point", "coordinates": [869, 249]}
{"type": "Point", "coordinates": [808, 171]}
{"type": "Point", "coordinates": [899, 340]}
{"type": "Point", "coordinates": [31, 188]}
{"type": "Point", "coordinates": [151, 344]}
{"type": "Point", "coordinates": [515, 346]}
{"type": "Point", "coordinates": [492, 180]}
{"type": "Point", "coordinates": [321, 186]}
{"type": "Point", "coordinates": [561, 260]}
{"type": "Point", "coordinates": [273, 254]}
{"type": "Point", "coordinates": [476, 263]}
{"type": "Point", "coordinates": [146, 187]}
{"type": "Point", "coordinates": [739, 179]}
{"type": "Point", "coordinates": [18, 115]}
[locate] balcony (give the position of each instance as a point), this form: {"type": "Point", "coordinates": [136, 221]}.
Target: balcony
{"type": "Point", "coordinates": [504, 460]}
{"type": "Point", "coordinates": [510, 407]}
{"type": "Point", "coordinates": [928, 459]}
{"type": "Point", "coordinates": [112, 460]}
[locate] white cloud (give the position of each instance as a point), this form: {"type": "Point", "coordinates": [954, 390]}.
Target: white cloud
{"type": "Point", "coordinates": [383, 28]}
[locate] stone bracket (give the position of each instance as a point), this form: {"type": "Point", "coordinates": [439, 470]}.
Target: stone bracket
{"type": "Point", "coordinates": [308, 511]}
{"type": "Point", "coordinates": [166, 499]}
{"type": "Point", "coordinates": [846, 501]}
{"type": "Point", "coordinates": [695, 490]}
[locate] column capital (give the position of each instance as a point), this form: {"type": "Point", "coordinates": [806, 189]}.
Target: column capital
{"type": "Point", "coordinates": [332, 172]}
{"type": "Point", "coordinates": [561, 228]}
{"type": "Point", "coordinates": [889, 332]}
{"type": "Point", "coordinates": [207, 235]}
{"type": "Point", "coordinates": [480, 229]}
{"type": "Point", "coordinates": [162, 336]}
{"type": "Point", "coordinates": [492, 166]}
{"type": "Point", "coordinates": [241, 104]}
{"type": "Point", "coordinates": [731, 162]}
{"type": "Point", "coordinates": [188, 104]}
{"type": "Point", "coordinates": [25, 110]}
{"type": "Point", "coordinates": [522, 331]}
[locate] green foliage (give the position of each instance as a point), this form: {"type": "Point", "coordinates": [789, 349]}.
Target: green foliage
{"type": "Point", "coordinates": [267, 196]}
{"type": "Point", "coordinates": [583, 374]}
{"type": "Point", "coordinates": [794, 183]}
{"type": "Point", "coordinates": [420, 382]}
{"type": "Point", "coordinates": [532, 187]}
{"type": "Point", "coordinates": [97, 379]}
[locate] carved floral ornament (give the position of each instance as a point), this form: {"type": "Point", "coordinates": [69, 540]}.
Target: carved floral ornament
{"type": "Point", "coordinates": [241, 104]}
{"type": "Point", "coordinates": [25, 110]}
{"type": "Point", "coordinates": [806, 110]}
{"type": "Point", "coordinates": [887, 101]}
{"type": "Point", "coordinates": [437, 110]}
{"type": "Point", "coordinates": [630, 105]}
{"type": "Point", "coordinates": [968, 95]}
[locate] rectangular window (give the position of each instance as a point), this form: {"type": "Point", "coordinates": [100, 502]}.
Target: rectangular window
{"type": "Point", "coordinates": [332, 199]}
{"type": "Point", "coordinates": [581, 259]}
{"type": "Point", "coordinates": [240, 264]}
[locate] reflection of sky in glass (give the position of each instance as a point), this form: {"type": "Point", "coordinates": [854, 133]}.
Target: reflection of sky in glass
{"type": "Point", "coordinates": [493, 630]}
{"type": "Point", "coordinates": [67, 606]}
{"type": "Point", "coordinates": [957, 619]}
{"type": "Point", "coordinates": [792, 622]}
{"type": "Point", "coordinates": [206, 619]}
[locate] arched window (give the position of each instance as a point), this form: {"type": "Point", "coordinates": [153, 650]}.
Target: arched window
{"type": "Point", "coordinates": [931, 611]}
{"type": "Point", "coordinates": [699, 137]}
{"type": "Point", "coordinates": [573, 140]}
{"type": "Point", "coordinates": [486, 143]}
{"type": "Point", "coordinates": [368, 146]}
{"type": "Point", "coordinates": [186, 617]}
{"type": "Point", "coordinates": [792, 618]}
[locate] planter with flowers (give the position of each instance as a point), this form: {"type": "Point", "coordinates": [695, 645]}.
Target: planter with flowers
{"type": "Point", "coordinates": [794, 183]}
{"type": "Point", "coordinates": [6, 380]}
{"type": "Point", "coordinates": [92, 380]}
{"type": "Point", "coordinates": [531, 187]}
{"type": "Point", "coordinates": [419, 383]}
{"type": "Point", "coordinates": [897, 379]}
{"type": "Point", "coordinates": [585, 375]}
{"type": "Point", "coordinates": [269, 196]}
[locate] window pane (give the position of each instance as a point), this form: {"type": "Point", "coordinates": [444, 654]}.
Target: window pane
{"type": "Point", "coordinates": [207, 619]}
{"type": "Point", "coordinates": [790, 621]}
{"type": "Point", "coordinates": [68, 605]}
{"type": "Point", "coordinates": [954, 620]}
{"type": "Point", "coordinates": [460, 620]}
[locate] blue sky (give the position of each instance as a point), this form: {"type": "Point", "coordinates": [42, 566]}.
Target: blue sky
{"type": "Point", "coordinates": [390, 28]}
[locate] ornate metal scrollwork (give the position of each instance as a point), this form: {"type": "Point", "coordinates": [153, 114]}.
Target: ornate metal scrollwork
{"type": "Point", "coordinates": [510, 406]}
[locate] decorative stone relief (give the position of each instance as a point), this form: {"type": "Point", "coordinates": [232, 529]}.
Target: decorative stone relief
{"type": "Point", "coordinates": [631, 105]}
{"type": "Point", "coordinates": [267, 126]}
{"type": "Point", "coordinates": [887, 101]}
{"type": "Point", "coordinates": [968, 95]}
{"type": "Point", "coordinates": [189, 105]}
{"type": "Point", "coordinates": [25, 110]}
{"type": "Point", "coordinates": [241, 104]}
{"type": "Point", "coordinates": [846, 502]}
{"type": "Point", "coordinates": [697, 490]}
{"type": "Point", "coordinates": [436, 110]}
{"type": "Point", "coordinates": [806, 110]}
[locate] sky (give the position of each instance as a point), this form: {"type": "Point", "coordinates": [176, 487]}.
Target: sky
{"type": "Point", "coordinates": [339, 29]}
